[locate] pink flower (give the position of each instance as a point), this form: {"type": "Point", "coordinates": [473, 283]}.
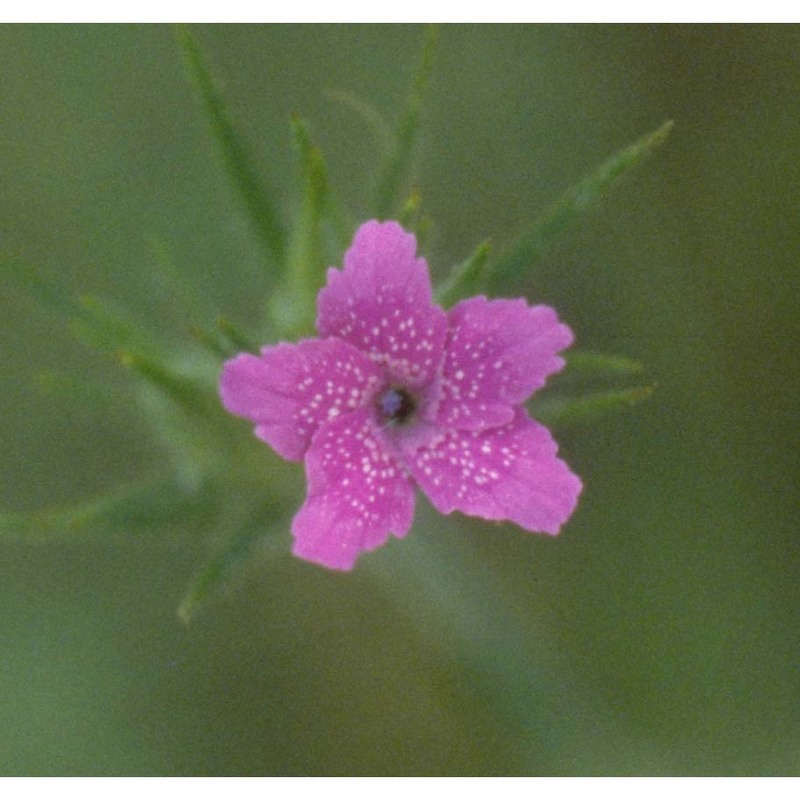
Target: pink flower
{"type": "Point", "coordinates": [397, 393]}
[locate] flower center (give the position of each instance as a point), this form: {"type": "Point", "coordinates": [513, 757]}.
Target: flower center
{"type": "Point", "coordinates": [396, 405]}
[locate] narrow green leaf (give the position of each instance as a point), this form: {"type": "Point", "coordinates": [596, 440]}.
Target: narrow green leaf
{"type": "Point", "coordinates": [305, 255]}
{"type": "Point", "coordinates": [252, 540]}
{"type": "Point", "coordinates": [180, 401]}
{"type": "Point", "coordinates": [421, 229]}
{"type": "Point", "coordinates": [239, 341]}
{"type": "Point", "coordinates": [92, 319]}
{"type": "Point", "coordinates": [564, 411]}
{"type": "Point", "coordinates": [582, 362]}
{"type": "Point", "coordinates": [324, 227]}
{"type": "Point", "coordinates": [533, 245]}
{"type": "Point", "coordinates": [141, 508]}
{"type": "Point", "coordinates": [169, 279]}
{"type": "Point", "coordinates": [394, 171]}
{"type": "Point", "coordinates": [188, 393]}
{"type": "Point", "coordinates": [255, 197]}
{"type": "Point", "coordinates": [409, 213]}
{"type": "Point", "coordinates": [292, 305]}
{"type": "Point", "coordinates": [466, 278]}
{"type": "Point", "coordinates": [108, 328]}
{"type": "Point", "coordinates": [412, 218]}
{"type": "Point", "coordinates": [320, 207]}
{"type": "Point", "coordinates": [212, 343]}
{"type": "Point", "coordinates": [371, 116]}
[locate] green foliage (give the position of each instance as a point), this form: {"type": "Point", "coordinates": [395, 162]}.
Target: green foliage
{"type": "Point", "coordinates": [550, 228]}
{"type": "Point", "coordinates": [394, 171]}
{"type": "Point", "coordinates": [466, 278]}
{"type": "Point", "coordinates": [558, 411]}
{"type": "Point", "coordinates": [370, 115]}
{"type": "Point", "coordinates": [408, 216]}
{"type": "Point", "coordinates": [576, 395]}
{"type": "Point", "coordinates": [257, 537]}
{"type": "Point", "coordinates": [292, 305]}
{"type": "Point", "coordinates": [150, 508]}
{"type": "Point", "coordinates": [235, 154]}
{"type": "Point", "coordinates": [171, 281]}
{"type": "Point", "coordinates": [238, 341]}
{"type": "Point", "coordinates": [94, 321]}
{"type": "Point", "coordinates": [581, 362]}
{"type": "Point", "coordinates": [191, 395]}
{"type": "Point", "coordinates": [214, 343]}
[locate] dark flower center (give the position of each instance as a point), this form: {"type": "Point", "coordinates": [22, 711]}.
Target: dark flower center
{"type": "Point", "coordinates": [396, 405]}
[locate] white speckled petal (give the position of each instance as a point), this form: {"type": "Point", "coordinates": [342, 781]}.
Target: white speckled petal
{"type": "Point", "coordinates": [291, 389]}
{"type": "Point", "coordinates": [381, 302]}
{"type": "Point", "coordinates": [507, 473]}
{"type": "Point", "coordinates": [498, 352]}
{"type": "Point", "coordinates": [358, 494]}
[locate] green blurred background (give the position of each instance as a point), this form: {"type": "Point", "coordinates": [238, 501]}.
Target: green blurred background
{"type": "Point", "coordinates": [659, 634]}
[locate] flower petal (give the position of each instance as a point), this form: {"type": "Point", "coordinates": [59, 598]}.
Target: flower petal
{"type": "Point", "coordinates": [381, 302]}
{"type": "Point", "coordinates": [291, 389]}
{"type": "Point", "coordinates": [358, 494]}
{"type": "Point", "coordinates": [509, 473]}
{"type": "Point", "coordinates": [498, 352]}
